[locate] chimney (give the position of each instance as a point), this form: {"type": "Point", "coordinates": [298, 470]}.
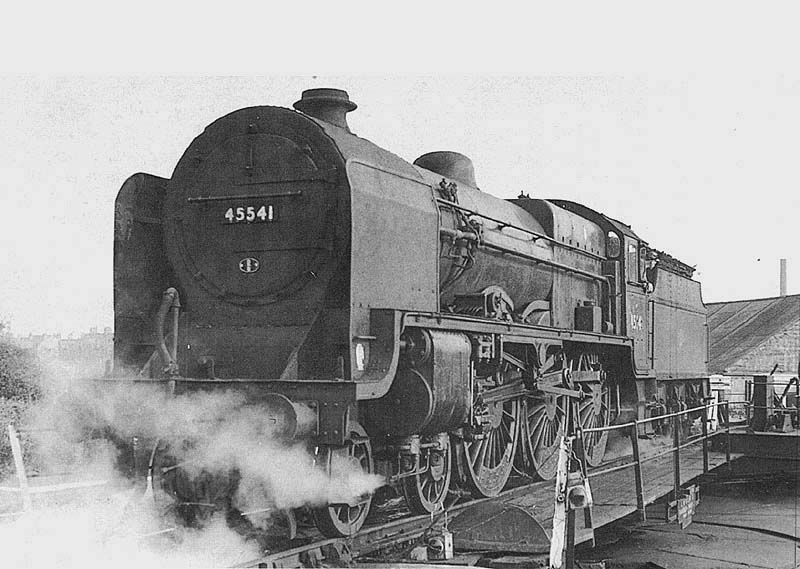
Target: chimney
{"type": "Point", "coordinates": [783, 277]}
{"type": "Point", "coordinates": [329, 105]}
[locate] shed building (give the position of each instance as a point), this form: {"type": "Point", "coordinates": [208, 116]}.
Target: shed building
{"type": "Point", "coordinates": [753, 337]}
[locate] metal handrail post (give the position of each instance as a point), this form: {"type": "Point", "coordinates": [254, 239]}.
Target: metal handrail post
{"type": "Point", "coordinates": [705, 437]}
{"type": "Point", "coordinates": [637, 470]}
{"type": "Point", "coordinates": [569, 557]}
{"type": "Point", "coordinates": [676, 456]}
{"type": "Point", "coordinates": [573, 429]}
{"type": "Point", "coordinates": [19, 464]}
{"type": "Point", "coordinates": [728, 439]}
{"type": "Point", "coordinates": [588, 519]}
{"type": "Point", "coordinates": [797, 401]}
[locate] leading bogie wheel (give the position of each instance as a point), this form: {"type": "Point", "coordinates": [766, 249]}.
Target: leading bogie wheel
{"type": "Point", "coordinates": [425, 492]}
{"type": "Point", "coordinates": [345, 519]}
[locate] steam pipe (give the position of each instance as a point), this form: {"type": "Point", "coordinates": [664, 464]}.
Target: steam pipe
{"type": "Point", "coordinates": [169, 301]}
{"type": "Point", "coordinates": [534, 235]}
{"type": "Point", "coordinates": [456, 235]}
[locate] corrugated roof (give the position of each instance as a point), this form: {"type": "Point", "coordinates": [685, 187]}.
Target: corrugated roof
{"type": "Point", "coordinates": [736, 328]}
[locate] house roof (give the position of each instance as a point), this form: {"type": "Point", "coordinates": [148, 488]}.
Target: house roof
{"type": "Point", "coordinates": [737, 327]}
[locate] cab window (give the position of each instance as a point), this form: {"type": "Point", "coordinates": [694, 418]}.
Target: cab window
{"type": "Point", "coordinates": [631, 261]}
{"type": "Point", "coordinates": [643, 264]}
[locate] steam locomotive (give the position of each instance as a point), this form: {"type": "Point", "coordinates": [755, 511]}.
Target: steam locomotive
{"type": "Point", "coordinates": [434, 333]}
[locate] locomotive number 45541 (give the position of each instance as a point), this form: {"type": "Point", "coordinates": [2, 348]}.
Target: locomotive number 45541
{"type": "Point", "coordinates": [250, 214]}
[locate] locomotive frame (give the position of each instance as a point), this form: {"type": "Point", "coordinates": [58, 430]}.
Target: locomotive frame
{"type": "Point", "coordinates": [434, 331]}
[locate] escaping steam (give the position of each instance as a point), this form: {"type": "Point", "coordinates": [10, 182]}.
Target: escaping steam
{"type": "Point", "coordinates": [213, 435]}
{"type": "Point", "coordinates": [210, 432]}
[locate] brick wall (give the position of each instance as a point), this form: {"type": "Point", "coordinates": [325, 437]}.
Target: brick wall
{"type": "Point", "coordinates": [783, 348]}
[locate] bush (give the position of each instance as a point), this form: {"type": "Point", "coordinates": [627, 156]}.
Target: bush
{"type": "Point", "coordinates": [19, 387]}
{"type": "Point", "coordinates": [19, 373]}
{"type": "Point", "coordinates": [12, 411]}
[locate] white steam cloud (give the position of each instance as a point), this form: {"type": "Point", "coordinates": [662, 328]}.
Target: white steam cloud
{"type": "Point", "coordinates": [107, 532]}
{"type": "Point", "coordinates": [209, 434]}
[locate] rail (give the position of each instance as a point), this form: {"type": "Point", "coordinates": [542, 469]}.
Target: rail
{"type": "Point", "coordinates": [750, 408]}
{"type": "Point", "coordinates": [635, 427]}
{"type": "Point", "coordinates": [747, 418]}
{"type": "Point", "coordinates": [777, 397]}
{"type": "Point", "coordinates": [24, 488]}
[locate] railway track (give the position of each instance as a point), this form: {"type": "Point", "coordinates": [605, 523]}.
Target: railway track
{"type": "Point", "coordinates": [389, 527]}
{"type": "Point", "coordinates": [523, 513]}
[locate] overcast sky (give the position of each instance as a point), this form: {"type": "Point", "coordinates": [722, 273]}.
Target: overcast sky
{"type": "Point", "coordinates": [703, 167]}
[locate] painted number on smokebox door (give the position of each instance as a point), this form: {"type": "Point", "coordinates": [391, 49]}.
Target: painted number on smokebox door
{"type": "Point", "coordinates": [250, 214]}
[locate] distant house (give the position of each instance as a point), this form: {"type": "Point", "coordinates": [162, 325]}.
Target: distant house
{"type": "Point", "coordinates": [88, 347]}
{"type": "Point", "coordinates": [87, 353]}
{"type": "Point", "coordinates": [753, 337]}
{"type": "Point", "coordinates": [44, 346]}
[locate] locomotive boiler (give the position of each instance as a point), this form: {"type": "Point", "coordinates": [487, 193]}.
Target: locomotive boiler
{"type": "Point", "coordinates": [435, 332]}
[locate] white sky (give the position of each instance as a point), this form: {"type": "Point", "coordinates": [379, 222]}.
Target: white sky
{"type": "Point", "coordinates": [702, 167]}
{"type": "Point", "coordinates": [701, 164]}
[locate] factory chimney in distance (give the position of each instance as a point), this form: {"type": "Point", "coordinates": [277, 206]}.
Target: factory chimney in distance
{"type": "Point", "coordinates": [783, 277]}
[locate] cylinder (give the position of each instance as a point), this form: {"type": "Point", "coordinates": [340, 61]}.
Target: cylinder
{"type": "Point", "coordinates": [431, 393]}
